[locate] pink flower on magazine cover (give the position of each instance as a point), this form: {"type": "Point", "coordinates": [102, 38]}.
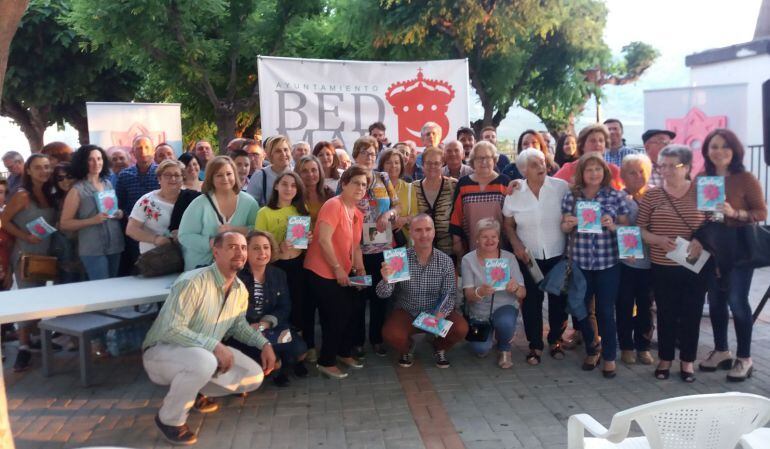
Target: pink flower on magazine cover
{"type": "Point", "coordinates": [710, 192]}
{"type": "Point", "coordinates": [630, 241]}
{"type": "Point", "coordinates": [39, 229]}
{"type": "Point", "coordinates": [430, 321]}
{"type": "Point", "coordinates": [297, 232]}
{"type": "Point", "coordinates": [396, 264]}
{"type": "Point", "coordinates": [497, 274]}
{"type": "Point", "coordinates": [589, 216]}
{"type": "Point", "coordinates": [108, 203]}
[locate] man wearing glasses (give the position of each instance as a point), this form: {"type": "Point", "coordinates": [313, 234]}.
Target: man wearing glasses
{"type": "Point", "coordinates": [655, 140]}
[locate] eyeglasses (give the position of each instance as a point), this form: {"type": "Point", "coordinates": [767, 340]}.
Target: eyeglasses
{"type": "Point", "coordinates": [659, 142]}
{"type": "Point", "coordinates": [484, 158]}
{"type": "Point", "coordinates": [670, 166]}
{"type": "Point", "coordinates": [171, 176]}
{"type": "Point", "coordinates": [62, 178]}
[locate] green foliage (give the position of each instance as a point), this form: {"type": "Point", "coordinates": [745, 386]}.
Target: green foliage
{"type": "Point", "coordinates": [52, 71]}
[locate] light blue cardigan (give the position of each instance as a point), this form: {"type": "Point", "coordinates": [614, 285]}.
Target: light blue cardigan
{"type": "Point", "coordinates": [199, 225]}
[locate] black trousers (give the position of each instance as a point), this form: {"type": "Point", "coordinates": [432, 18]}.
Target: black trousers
{"type": "Point", "coordinates": [679, 295]}
{"type": "Point", "coordinates": [532, 308]}
{"type": "Point", "coordinates": [378, 307]}
{"type": "Point", "coordinates": [335, 306]}
{"type": "Point", "coordinates": [634, 331]}
{"type": "Point", "coordinates": [295, 275]}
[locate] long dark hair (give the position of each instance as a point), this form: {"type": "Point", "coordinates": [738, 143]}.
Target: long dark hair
{"type": "Point", "coordinates": [559, 155]}
{"type": "Point", "coordinates": [299, 198]}
{"type": "Point", "coordinates": [322, 190]}
{"type": "Point", "coordinates": [61, 169]}
{"type": "Point", "coordinates": [26, 181]}
{"type": "Point", "coordinates": [79, 168]}
{"type": "Point", "coordinates": [736, 164]}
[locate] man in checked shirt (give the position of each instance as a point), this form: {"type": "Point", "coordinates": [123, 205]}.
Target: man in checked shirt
{"type": "Point", "coordinates": [432, 277]}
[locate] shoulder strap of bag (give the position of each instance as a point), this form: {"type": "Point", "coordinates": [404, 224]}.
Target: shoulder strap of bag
{"type": "Point", "coordinates": [216, 211]}
{"type": "Point", "coordinates": [264, 186]}
{"type": "Point", "coordinates": [409, 198]}
{"type": "Point", "coordinates": [671, 202]}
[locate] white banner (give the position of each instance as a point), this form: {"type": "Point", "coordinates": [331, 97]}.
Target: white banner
{"type": "Point", "coordinates": [115, 125]}
{"type": "Point", "coordinates": [314, 99]}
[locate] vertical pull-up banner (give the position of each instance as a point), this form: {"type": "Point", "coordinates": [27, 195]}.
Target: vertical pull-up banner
{"type": "Point", "coordinates": [314, 99]}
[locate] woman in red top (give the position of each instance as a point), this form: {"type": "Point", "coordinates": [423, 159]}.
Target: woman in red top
{"type": "Point", "coordinates": [592, 138]}
{"type": "Point", "coordinates": [333, 255]}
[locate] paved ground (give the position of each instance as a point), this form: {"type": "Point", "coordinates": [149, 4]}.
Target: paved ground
{"type": "Point", "coordinates": [474, 404]}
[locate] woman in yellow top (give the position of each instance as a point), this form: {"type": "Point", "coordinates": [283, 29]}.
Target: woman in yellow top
{"type": "Point", "coordinates": [392, 162]}
{"type": "Point", "coordinates": [287, 199]}
{"type": "Point", "coordinates": [309, 168]}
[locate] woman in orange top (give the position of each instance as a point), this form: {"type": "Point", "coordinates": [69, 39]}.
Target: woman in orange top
{"type": "Point", "coordinates": [592, 138]}
{"type": "Point", "coordinates": [333, 255]}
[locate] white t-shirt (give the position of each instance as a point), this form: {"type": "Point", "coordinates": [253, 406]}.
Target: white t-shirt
{"type": "Point", "coordinates": [155, 214]}
{"type": "Point", "coordinates": [538, 219]}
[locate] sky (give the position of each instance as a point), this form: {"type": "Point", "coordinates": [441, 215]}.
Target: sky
{"type": "Point", "coordinates": [675, 27]}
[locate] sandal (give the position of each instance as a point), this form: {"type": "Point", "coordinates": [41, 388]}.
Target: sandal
{"type": "Point", "coordinates": [556, 351]}
{"type": "Point", "coordinates": [533, 358]}
{"type": "Point", "coordinates": [591, 362]}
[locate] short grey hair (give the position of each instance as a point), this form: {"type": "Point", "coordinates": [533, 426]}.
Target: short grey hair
{"type": "Point", "coordinates": [482, 145]}
{"type": "Point", "coordinates": [429, 125]}
{"type": "Point", "coordinates": [301, 143]}
{"type": "Point", "coordinates": [683, 153]}
{"type": "Point", "coordinates": [523, 158]}
{"type": "Point", "coordinates": [454, 142]}
{"type": "Point", "coordinates": [486, 224]}
{"type": "Point", "coordinates": [13, 156]}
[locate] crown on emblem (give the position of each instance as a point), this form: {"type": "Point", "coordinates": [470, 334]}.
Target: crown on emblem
{"type": "Point", "coordinates": [416, 90]}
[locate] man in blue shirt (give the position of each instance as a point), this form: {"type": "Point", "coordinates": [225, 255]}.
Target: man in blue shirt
{"type": "Point", "coordinates": [617, 149]}
{"type": "Point", "coordinates": [133, 182]}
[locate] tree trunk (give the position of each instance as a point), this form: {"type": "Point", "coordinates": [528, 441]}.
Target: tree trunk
{"type": "Point", "coordinates": [80, 123]}
{"type": "Point", "coordinates": [226, 124]}
{"type": "Point", "coordinates": [10, 15]}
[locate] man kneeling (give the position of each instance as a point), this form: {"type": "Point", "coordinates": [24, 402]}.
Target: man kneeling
{"type": "Point", "coordinates": [432, 277]}
{"type": "Point", "coordinates": [183, 348]}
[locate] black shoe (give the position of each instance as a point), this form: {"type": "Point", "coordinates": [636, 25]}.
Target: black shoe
{"type": "Point", "coordinates": [380, 350]}
{"type": "Point", "coordinates": [281, 380]}
{"type": "Point", "coordinates": [609, 374]}
{"type": "Point", "coordinates": [23, 358]}
{"type": "Point", "coordinates": [300, 370]}
{"type": "Point", "coordinates": [176, 435]}
{"type": "Point", "coordinates": [204, 405]}
{"type": "Point", "coordinates": [687, 377]}
{"type": "Point", "coordinates": [662, 374]}
{"type": "Point", "coordinates": [441, 360]}
{"type": "Point", "coordinates": [406, 360]}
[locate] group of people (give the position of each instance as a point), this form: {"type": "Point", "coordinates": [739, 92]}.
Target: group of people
{"type": "Point", "coordinates": [247, 302]}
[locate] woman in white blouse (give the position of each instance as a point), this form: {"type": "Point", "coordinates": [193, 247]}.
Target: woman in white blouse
{"type": "Point", "coordinates": [151, 216]}
{"type": "Point", "coordinates": [532, 224]}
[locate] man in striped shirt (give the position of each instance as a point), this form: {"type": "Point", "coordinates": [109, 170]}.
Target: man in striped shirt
{"type": "Point", "coordinates": [184, 349]}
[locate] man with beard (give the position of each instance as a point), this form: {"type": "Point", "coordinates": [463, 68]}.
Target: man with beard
{"type": "Point", "coordinates": [184, 349]}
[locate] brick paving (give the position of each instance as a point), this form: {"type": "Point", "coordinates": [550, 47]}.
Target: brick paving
{"type": "Point", "coordinates": [473, 404]}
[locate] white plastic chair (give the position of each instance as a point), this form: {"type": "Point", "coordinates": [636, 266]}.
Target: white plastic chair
{"type": "Point", "coordinates": [706, 421]}
{"type": "Point", "coordinates": [758, 439]}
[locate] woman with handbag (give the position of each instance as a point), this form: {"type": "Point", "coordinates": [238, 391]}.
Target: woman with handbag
{"type": "Point", "coordinates": [33, 201]}
{"type": "Point", "coordinates": [64, 244]}
{"type": "Point", "coordinates": [332, 256]}
{"type": "Point", "coordinates": [100, 235]}
{"type": "Point", "coordinates": [269, 308]}
{"type": "Point", "coordinates": [495, 312]}
{"type": "Point", "coordinates": [222, 207]}
{"type": "Point", "coordinates": [744, 206]}
{"type": "Point", "coordinates": [380, 207]}
{"type": "Point", "coordinates": [596, 253]}
{"type": "Point", "coordinates": [433, 196]}
{"type": "Point", "coordinates": [150, 218]}
{"type": "Point", "coordinates": [533, 226]}
{"type": "Point", "coordinates": [392, 162]}
{"type": "Point", "coordinates": [665, 214]}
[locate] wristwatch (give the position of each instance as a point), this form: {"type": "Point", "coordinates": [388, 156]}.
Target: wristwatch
{"type": "Point", "coordinates": [261, 327]}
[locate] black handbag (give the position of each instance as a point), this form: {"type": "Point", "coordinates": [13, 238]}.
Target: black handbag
{"type": "Point", "coordinates": [479, 330]}
{"type": "Point", "coordinates": [161, 260]}
{"type": "Point", "coordinates": [753, 246]}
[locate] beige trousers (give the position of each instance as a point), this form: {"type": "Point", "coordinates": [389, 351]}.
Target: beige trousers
{"type": "Point", "coordinates": [189, 371]}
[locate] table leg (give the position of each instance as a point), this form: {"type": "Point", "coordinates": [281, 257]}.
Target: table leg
{"type": "Point", "coordinates": [85, 360]}
{"type": "Point", "coordinates": [47, 356]}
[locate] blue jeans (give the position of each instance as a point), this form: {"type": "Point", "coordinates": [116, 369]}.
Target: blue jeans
{"type": "Point", "coordinates": [504, 325]}
{"type": "Point", "coordinates": [101, 267]}
{"type": "Point", "coordinates": [604, 284]}
{"type": "Point", "coordinates": [732, 289]}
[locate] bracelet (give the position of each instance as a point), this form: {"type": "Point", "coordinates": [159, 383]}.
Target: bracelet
{"type": "Point", "coordinates": [476, 292]}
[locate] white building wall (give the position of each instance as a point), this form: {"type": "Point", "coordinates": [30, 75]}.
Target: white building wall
{"type": "Point", "coordinates": [753, 70]}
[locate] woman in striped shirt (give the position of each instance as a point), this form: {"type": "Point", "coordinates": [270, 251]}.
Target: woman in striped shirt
{"type": "Point", "coordinates": [666, 213]}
